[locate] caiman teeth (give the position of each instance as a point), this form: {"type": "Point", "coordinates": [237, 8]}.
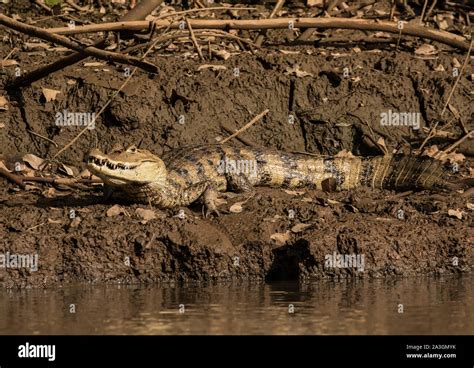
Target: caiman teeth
{"type": "Point", "coordinates": [113, 166]}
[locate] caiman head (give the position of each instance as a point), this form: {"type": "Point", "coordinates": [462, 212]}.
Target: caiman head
{"type": "Point", "coordinates": [131, 166]}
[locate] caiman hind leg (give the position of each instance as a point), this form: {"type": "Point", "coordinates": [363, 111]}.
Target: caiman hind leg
{"type": "Point", "coordinates": [238, 183]}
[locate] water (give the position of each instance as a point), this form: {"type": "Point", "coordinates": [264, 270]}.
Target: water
{"type": "Point", "coordinates": [430, 306]}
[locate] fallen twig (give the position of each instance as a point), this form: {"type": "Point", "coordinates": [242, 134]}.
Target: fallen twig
{"type": "Point", "coordinates": [428, 13]}
{"type": "Point", "coordinates": [241, 139]}
{"type": "Point", "coordinates": [44, 6]}
{"type": "Point", "coordinates": [454, 145]}
{"type": "Point", "coordinates": [423, 11]}
{"type": "Point", "coordinates": [73, 5]}
{"type": "Point", "coordinates": [342, 23]}
{"type": "Point", "coordinates": [430, 135]}
{"type": "Point", "coordinates": [74, 45]}
{"type": "Point", "coordinates": [193, 38]}
{"type": "Point", "coordinates": [17, 179]}
{"type": "Point", "coordinates": [246, 126]}
{"type": "Point", "coordinates": [42, 136]}
{"type": "Point", "coordinates": [458, 78]}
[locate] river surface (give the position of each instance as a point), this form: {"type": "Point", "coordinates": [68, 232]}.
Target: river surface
{"type": "Point", "coordinates": [405, 306]}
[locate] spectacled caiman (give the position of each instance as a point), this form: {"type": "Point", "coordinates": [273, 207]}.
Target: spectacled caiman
{"type": "Point", "coordinates": [184, 175]}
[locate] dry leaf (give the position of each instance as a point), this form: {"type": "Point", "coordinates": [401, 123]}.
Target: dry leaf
{"type": "Point", "coordinates": [49, 193]}
{"type": "Point", "coordinates": [37, 45]}
{"type": "Point", "coordinates": [115, 210]}
{"type": "Point", "coordinates": [9, 62]}
{"type": "Point", "coordinates": [456, 213]}
{"type": "Point", "coordinates": [435, 153]}
{"type": "Point", "coordinates": [431, 151]}
{"type": "Point", "coordinates": [94, 63]}
{"type": "Point", "coordinates": [273, 219]}
{"type": "Point", "coordinates": [75, 222]}
{"type": "Point", "coordinates": [470, 206]}
{"type": "Point", "coordinates": [454, 111]}
{"type": "Point", "coordinates": [295, 70]}
{"type": "Point", "coordinates": [280, 238]}
{"type": "Point", "coordinates": [219, 201]}
{"type": "Point", "coordinates": [236, 207]}
{"type": "Point", "coordinates": [456, 63]}
{"type": "Point", "coordinates": [381, 143]}
{"type": "Point", "coordinates": [439, 68]}
{"type": "Point", "coordinates": [51, 221]}
{"type": "Point", "coordinates": [382, 35]}
{"type": "Point", "coordinates": [426, 50]}
{"type": "Point", "coordinates": [212, 67]}
{"type": "Point", "coordinates": [2, 125]}
{"type": "Point", "coordinates": [145, 214]}
{"type": "Point", "coordinates": [306, 199]}
{"type": "Point", "coordinates": [3, 103]}
{"type": "Point", "coordinates": [300, 227]}
{"type": "Point", "coordinates": [34, 161]}
{"type": "Point", "coordinates": [50, 94]}
{"type": "Point", "coordinates": [66, 169]}
{"type": "Point", "coordinates": [85, 174]}
{"type": "Point", "coordinates": [223, 54]}
{"type": "Point", "coordinates": [314, 2]}
{"type": "Point", "coordinates": [289, 52]}
{"type": "Point", "coordinates": [442, 24]}
{"type": "Point", "coordinates": [294, 192]}
{"type": "Point", "coordinates": [30, 187]}
{"type": "Point", "coordinates": [344, 153]}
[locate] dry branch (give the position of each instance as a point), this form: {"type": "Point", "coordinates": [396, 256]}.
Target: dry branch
{"type": "Point", "coordinates": [167, 15]}
{"type": "Point", "coordinates": [139, 12]}
{"type": "Point", "coordinates": [341, 23]}
{"type": "Point", "coordinates": [74, 45]}
{"type": "Point", "coordinates": [20, 179]}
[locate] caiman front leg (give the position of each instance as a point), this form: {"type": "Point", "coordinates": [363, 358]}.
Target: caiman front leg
{"type": "Point", "coordinates": [237, 183]}
{"type": "Point", "coordinates": [184, 197]}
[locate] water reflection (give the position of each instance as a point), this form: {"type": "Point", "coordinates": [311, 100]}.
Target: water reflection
{"type": "Point", "coordinates": [430, 306]}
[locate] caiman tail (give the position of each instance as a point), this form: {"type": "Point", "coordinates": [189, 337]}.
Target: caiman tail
{"type": "Point", "coordinates": [284, 170]}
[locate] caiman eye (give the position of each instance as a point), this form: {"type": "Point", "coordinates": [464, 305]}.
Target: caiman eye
{"type": "Point", "coordinates": [132, 149]}
{"type": "Point", "coordinates": [118, 148]}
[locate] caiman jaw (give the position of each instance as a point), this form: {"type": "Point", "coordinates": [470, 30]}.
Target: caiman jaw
{"type": "Point", "coordinates": [127, 167]}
